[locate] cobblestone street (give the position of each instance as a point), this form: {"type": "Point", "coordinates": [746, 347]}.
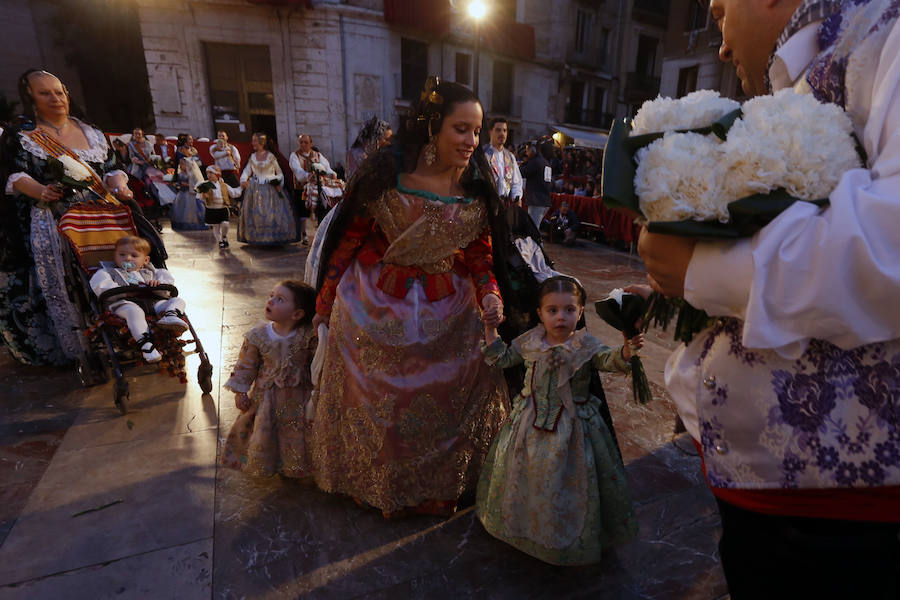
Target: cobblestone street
{"type": "Point", "coordinates": [168, 523]}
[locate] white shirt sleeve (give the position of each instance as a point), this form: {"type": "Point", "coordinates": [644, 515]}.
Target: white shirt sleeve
{"type": "Point", "coordinates": [515, 188]}
{"type": "Point", "coordinates": [829, 274]}
{"type": "Point", "coordinates": [327, 165]}
{"type": "Point", "coordinates": [248, 171]}
{"type": "Point", "coordinates": [234, 192]}
{"type": "Point", "coordinates": [102, 281]}
{"type": "Point", "coordinates": [300, 174]}
{"type": "Point", "coordinates": [163, 276]}
{"type": "Point", "coordinates": [237, 156]}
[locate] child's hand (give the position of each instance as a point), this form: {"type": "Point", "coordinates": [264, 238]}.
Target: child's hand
{"type": "Point", "coordinates": [492, 313]}
{"type": "Point", "coordinates": [632, 345]}
{"type": "Point", "coordinates": [639, 289]}
{"type": "Point", "coordinates": [242, 401]}
{"type": "Point", "coordinates": [153, 282]}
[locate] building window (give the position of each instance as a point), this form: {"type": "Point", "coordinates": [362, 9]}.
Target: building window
{"type": "Point", "coordinates": [646, 55]}
{"type": "Point", "coordinates": [413, 67]}
{"type": "Point", "coordinates": [463, 68]}
{"type": "Point", "coordinates": [697, 15]}
{"type": "Point", "coordinates": [687, 80]}
{"type": "Point", "coordinates": [501, 89]}
{"type": "Point", "coordinates": [584, 20]}
{"type": "Point", "coordinates": [604, 45]}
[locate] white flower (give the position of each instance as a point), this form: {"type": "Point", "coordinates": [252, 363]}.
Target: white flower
{"type": "Point", "coordinates": [318, 167]}
{"type": "Point", "coordinates": [616, 294]}
{"type": "Point", "coordinates": [73, 169]}
{"type": "Point", "coordinates": [791, 141]}
{"type": "Point", "coordinates": [697, 109]}
{"type": "Point", "coordinates": [680, 177]}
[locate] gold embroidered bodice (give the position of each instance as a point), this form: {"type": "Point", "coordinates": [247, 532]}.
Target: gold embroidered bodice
{"type": "Point", "coordinates": [426, 233]}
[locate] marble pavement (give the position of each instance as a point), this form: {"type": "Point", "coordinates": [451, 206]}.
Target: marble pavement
{"type": "Point", "coordinates": [98, 505]}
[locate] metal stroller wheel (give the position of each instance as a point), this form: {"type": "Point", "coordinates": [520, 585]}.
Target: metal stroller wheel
{"type": "Point", "coordinates": [204, 377]}
{"type": "Point", "coordinates": [122, 396]}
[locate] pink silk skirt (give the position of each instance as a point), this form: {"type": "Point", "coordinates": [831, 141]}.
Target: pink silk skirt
{"type": "Point", "coordinates": [407, 407]}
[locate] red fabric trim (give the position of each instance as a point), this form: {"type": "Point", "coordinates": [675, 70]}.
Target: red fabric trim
{"type": "Point", "coordinates": [877, 504]}
{"type": "Point", "coordinates": [479, 261]}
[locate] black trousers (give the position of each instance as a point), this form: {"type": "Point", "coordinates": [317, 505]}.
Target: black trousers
{"type": "Point", "coordinates": [768, 557]}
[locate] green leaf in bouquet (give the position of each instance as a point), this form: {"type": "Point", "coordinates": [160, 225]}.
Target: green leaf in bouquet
{"type": "Point", "coordinates": [721, 125]}
{"type": "Point", "coordinates": [660, 311]}
{"type": "Point", "coordinates": [747, 216]}
{"type": "Point", "coordinates": [617, 179]}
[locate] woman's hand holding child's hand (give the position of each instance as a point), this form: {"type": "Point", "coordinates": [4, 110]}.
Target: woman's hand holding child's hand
{"type": "Point", "coordinates": [632, 345]}
{"type": "Point", "coordinates": [242, 401]}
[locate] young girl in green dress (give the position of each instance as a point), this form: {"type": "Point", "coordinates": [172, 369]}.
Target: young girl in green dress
{"type": "Point", "coordinates": [553, 485]}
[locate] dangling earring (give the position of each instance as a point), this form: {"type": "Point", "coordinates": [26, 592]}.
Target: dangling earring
{"type": "Point", "coordinates": [429, 152]}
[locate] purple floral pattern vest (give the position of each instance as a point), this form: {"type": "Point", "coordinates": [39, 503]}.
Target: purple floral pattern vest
{"type": "Point", "coordinates": [832, 417]}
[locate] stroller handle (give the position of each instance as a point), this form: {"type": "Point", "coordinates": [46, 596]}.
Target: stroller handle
{"type": "Point", "coordinates": [163, 291]}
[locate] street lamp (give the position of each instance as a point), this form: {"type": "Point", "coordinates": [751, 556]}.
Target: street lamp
{"type": "Point", "coordinates": [477, 11]}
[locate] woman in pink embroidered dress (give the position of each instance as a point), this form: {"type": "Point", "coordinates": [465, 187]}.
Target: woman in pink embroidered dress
{"type": "Point", "coordinates": [407, 409]}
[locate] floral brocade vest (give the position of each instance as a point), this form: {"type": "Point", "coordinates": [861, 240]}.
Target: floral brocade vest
{"type": "Point", "coordinates": [831, 418]}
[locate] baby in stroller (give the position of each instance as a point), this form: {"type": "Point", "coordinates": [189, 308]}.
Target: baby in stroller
{"type": "Point", "coordinates": [132, 267]}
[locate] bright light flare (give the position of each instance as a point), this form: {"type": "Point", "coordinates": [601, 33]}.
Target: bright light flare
{"type": "Point", "coordinates": [477, 9]}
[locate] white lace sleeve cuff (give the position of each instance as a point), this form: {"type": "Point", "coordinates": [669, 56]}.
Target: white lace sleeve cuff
{"type": "Point", "coordinates": [10, 190]}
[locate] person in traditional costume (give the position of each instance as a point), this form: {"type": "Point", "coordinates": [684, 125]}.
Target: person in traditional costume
{"type": "Point", "coordinates": [217, 201]}
{"type": "Point", "coordinates": [184, 148]}
{"type": "Point", "coordinates": [187, 212]}
{"type": "Point", "coordinates": [140, 151]}
{"type": "Point", "coordinates": [792, 393]}
{"type": "Point", "coordinates": [271, 383]}
{"type": "Point", "coordinates": [407, 408]}
{"type": "Point", "coordinates": [507, 176]}
{"type": "Point", "coordinates": [266, 215]}
{"type": "Point", "coordinates": [227, 159]}
{"type": "Point", "coordinates": [38, 322]}
{"type": "Point", "coordinates": [311, 172]}
{"type": "Point", "coordinates": [553, 484]}
{"type": "Point", "coordinates": [373, 134]}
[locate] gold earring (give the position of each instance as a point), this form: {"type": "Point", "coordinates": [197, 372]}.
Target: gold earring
{"type": "Point", "coordinates": [430, 152]}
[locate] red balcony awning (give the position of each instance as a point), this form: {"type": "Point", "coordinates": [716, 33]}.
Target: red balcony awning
{"type": "Point", "coordinates": [430, 16]}
{"type": "Point", "coordinates": [505, 36]}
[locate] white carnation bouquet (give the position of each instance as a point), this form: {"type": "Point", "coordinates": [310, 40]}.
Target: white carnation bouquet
{"type": "Point", "coordinates": [705, 166]}
{"type": "Point", "coordinates": [69, 173]}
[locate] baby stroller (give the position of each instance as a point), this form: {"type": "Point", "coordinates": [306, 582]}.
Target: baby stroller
{"type": "Point", "coordinates": [91, 231]}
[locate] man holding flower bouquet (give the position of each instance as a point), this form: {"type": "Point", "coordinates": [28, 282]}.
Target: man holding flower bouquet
{"type": "Point", "coordinates": [792, 391]}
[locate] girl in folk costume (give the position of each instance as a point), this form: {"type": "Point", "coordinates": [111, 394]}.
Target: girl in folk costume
{"type": "Point", "coordinates": [266, 215]}
{"type": "Point", "coordinates": [38, 322]}
{"type": "Point", "coordinates": [216, 201]}
{"type": "Point", "coordinates": [553, 484]}
{"type": "Point", "coordinates": [271, 382]}
{"type": "Point", "coordinates": [187, 212]}
{"type": "Point", "coordinates": [407, 407]}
